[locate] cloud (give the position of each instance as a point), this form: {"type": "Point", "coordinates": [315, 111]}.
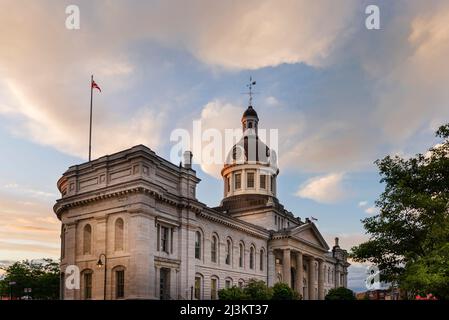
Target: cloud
{"type": "Point", "coordinates": [24, 235]}
{"type": "Point", "coordinates": [219, 116]}
{"type": "Point", "coordinates": [17, 189]}
{"type": "Point", "coordinates": [371, 210]}
{"type": "Point", "coordinates": [256, 34]}
{"type": "Point", "coordinates": [363, 203]}
{"type": "Point", "coordinates": [45, 71]}
{"type": "Point", "coordinates": [325, 189]}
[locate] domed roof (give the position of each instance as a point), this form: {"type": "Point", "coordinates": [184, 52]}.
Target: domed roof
{"type": "Point", "coordinates": [250, 112]}
{"type": "Point", "coordinates": [251, 149]}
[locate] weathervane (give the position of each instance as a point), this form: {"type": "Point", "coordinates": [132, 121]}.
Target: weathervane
{"type": "Point", "coordinates": [250, 92]}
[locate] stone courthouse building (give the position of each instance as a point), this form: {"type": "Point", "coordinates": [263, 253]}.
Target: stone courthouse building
{"type": "Point", "coordinates": [133, 226]}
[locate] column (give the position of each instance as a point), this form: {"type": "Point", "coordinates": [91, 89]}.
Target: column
{"type": "Point", "coordinates": [299, 273]}
{"type": "Point", "coordinates": [271, 267]}
{"type": "Point", "coordinates": [173, 283]}
{"type": "Point", "coordinates": [320, 280]}
{"type": "Point", "coordinates": [157, 282]}
{"type": "Point", "coordinates": [337, 278]}
{"type": "Point", "coordinates": [286, 265]}
{"type": "Point", "coordinates": [141, 261]}
{"type": "Point", "coordinates": [70, 259]}
{"type": "Point", "coordinates": [311, 278]}
{"type": "Point", "coordinates": [100, 237]}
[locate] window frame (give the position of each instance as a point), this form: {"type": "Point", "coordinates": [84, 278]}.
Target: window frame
{"type": "Point", "coordinates": [239, 181]}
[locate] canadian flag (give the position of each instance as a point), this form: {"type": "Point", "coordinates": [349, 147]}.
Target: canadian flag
{"type": "Point", "coordinates": [95, 85]}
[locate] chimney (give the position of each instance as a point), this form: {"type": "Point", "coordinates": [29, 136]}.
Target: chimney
{"type": "Point", "coordinates": [336, 242]}
{"type": "Point", "coordinates": [188, 159]}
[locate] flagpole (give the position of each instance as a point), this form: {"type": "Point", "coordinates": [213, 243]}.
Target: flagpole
{"type": "Point", "coordinates": [90, 126]}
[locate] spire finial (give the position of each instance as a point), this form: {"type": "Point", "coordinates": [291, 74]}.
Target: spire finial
{"type": "Point", "coordinates": [250, 92]}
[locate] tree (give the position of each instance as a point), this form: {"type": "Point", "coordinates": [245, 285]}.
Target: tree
{"type": "Point", "coordinates": [257, 290]}
{"type": "Point", "coordinates": [281, 291]}
{"type": "Point", "coordinates": [412, 226]}
{"type": "Point", "coordinates": [340, 293]}
{"type": "Point", "coordinates": [233, 293]}
{"type": "Point", "coordinates": [429, 274]}
{"type": "Point", "coordinates": [253, 290]}
{"type": "Point", "coordinates": [41, 277]}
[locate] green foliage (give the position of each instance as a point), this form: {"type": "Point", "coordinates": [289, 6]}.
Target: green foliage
{"type": "Point", "coordinates": [257, 290]}
{"type": "Point", "coordinates": [42, 278]}
{"type": "Point", "coordinates": [281, 291]}
{"type": "Point", "coordinates": [412, 226]}
{"type": "Point", "coordinates": [233, 293]}
{"type": "Point", "coordinates": [429, 274]}
{"type": "Point", "coordinates": [340, 293]}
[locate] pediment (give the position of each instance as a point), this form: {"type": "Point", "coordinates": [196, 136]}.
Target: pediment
{"type": "Point", "coordinates": [309, 233]}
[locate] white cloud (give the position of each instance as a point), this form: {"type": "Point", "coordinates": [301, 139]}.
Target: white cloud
{"type": "Point", "coordinates": [325, 189]}
{"type": "Point", "coordinates": [272, 101]}
{"type": "Point", "coordinates": [371, 210]}
{"type": "Point", "coordinates": [363, 203]}
{"type": "Point", "coordinates": [218, 115]}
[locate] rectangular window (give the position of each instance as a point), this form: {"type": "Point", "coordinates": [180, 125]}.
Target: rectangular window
{"type": "Point", "coordinates": [164, 239]}
{"type": "Point", "coordinates": [275, 220]}
{"type": "Point", "coordinates": [197, 288]}
{"type": "Point", "coordinates": [88, 286]}
{"type": "Point", "coordinates": [228, 183]}
{"type": "Point", "coordinates": [120, 284]}
{"type": "Point", "coordinates": [250, 179]}
{"type": "Point", "coordinates": [213, 289]}
{"type": "Point", "coordinates": [238, 181]}
{"type": "Point", "coordinates": [228, 284]}
{"type": "Point", "coordinates": [263, 181]}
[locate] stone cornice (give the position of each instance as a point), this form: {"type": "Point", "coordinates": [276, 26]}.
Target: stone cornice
{"type": "Point", "coordinates": [143, 187]}
{"type": "Point", "coordinates": [289, 236]}
{"type": "Point", "coordinates": [235, 224]}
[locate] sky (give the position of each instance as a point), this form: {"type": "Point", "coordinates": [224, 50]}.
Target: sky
{"type": "Point", "coordinates": [340, 95]}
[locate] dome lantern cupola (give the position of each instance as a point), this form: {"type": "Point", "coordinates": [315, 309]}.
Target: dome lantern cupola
{"type": "Point", "coordinates": [251, 168]}
{"type": "Point", "coordinates": [250, 121]}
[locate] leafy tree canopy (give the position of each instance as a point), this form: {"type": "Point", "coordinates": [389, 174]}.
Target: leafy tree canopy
{"type": "Point", "coordinates": [340, 293]}
{"type": "Point", "coordinates": [42, 277]}
{"type": "Point", "coordinates": [412, 227]}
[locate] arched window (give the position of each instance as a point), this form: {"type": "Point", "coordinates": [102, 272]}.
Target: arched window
{"type": "Point", "coordinates": [241, 255]}
{"type": "Point", "coordinates": [198, 286]}
{"type": "Point", "coordinates": [198, 245]}
{"type": "Point", "coordinates": [87, 239]}
{"type": "Point", "coordinates": [262, 255]}
{"type": "Point", "coordinates": [214, 249]}
{"type": "Point", "coordinates": [228, 251]}
{"type": "Point", "coordinates": [214, 281]}
{"type": "Point", "coordinates": [252, 253]}
{"type": "Point", "coordinates": [228, 283]}
{"type": "Point", "coordinates": [119, 234]}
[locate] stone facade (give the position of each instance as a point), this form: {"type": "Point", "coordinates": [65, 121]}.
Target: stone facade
{"type": "Point", "coordinates": [137, 214]}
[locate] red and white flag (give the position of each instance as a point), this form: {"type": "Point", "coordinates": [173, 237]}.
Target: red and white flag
{"type": "Point", "coordinates": [95, 86]}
